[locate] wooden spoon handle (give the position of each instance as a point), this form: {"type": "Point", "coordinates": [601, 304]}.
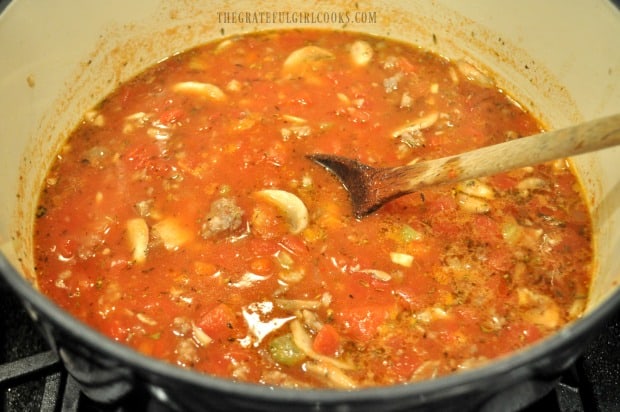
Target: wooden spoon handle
{"type": "Point", "coordinates": [527, 151]}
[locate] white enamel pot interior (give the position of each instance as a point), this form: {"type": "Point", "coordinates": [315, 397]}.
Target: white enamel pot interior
{"type": "Point", "coordinates": [559, 59]}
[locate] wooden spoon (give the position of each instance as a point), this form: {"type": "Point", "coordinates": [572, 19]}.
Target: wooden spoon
{"type": "Point", "coordinates": [369, 188]}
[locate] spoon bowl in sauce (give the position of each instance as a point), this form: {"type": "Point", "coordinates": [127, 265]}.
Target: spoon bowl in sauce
{"type": "Point", "coordinates": [370, 188]}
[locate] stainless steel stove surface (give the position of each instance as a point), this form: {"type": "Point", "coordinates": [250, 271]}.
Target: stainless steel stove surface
{"type": "Point", "coordinates": [32, 378]}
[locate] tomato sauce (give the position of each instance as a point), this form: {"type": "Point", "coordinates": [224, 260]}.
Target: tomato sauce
{"type": "Point", "coordinates": [183, 219]}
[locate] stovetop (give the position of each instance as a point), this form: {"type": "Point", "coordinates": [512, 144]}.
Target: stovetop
{"type": "Point", "coordinates": [32, 379]}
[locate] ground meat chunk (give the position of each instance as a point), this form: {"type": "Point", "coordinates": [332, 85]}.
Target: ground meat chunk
{"type": "Point", "coordinates": [224, 216]}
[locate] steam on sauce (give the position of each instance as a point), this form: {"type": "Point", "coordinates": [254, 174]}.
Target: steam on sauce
{"type": "Point", "coordinates": [182, 218]}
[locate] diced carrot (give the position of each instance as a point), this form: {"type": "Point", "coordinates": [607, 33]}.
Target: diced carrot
{"type": "Point", "coordinates": [327, 341]}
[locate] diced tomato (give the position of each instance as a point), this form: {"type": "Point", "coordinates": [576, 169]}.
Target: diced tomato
{"type": "Point", "coordinates": [68, 248]}
{"type": "Point", "coordinates": [263, 247]}
{"type": "Point", "coordinates": [446, 229]}
{"type": "Point", "coordinates": [147, 156]}
{"type": "Point", "coordinates": [487, 228]}
{"type": "Point", "coordinates": [267, 221]}
{"type": "Point", "coordinates": [137, 156]}
{"type": "Point", "coordinates": [294, 244]}
{"type": "Point", "coordinates": [416, 295]}
{"type": "Point", "coordinates": [124, 95]}
{"type": "Point", "coordinates": [261, 265]}
{"type": "Point", "coordinates": [219, 322]}
{"type": "Point", "coordinates": [146, 346]}
{"type": "Point", "coordinates": [171, 116]}
{"type": "Point", "coordinates": [359, 116]}
{"type": "Point", "coordinates": [442, 203]}
{"type": "Point", "coordinates": [520, 334]}
{"type": "Point", "coordinates": [327, 341]}
{"type": "Point", "coordinates": [503, 181]}
{"type": "Point", "coordinates": [361, 322]}
{"type": "Point", "coordinates": [115, 329]}
{"type": "Point", "coordinates": [500, 259]}
{"type": "Point", "coordinates": [405, 65]}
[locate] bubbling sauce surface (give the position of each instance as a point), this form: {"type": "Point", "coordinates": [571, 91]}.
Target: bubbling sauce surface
{"type": "Point", "coordinates": [183, 219]}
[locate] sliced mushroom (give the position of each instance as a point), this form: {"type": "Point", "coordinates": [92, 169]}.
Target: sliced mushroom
{"type": "Point", "coordinates": [138, 237]}
{"type": "Point", "coordinates": [475, 187]}
{"type": "Point", "coordinates": [292, 206]}
{"type": "Point", "coordinates": [171, 233]}
{"type": "Point", "coordinates": [95, 118]}
{"type": "Point", "coordinates": [474, 74]}
{"type": "Point", "coordinates": [292, 305]}
{"type": "Point", "coordinates": [379, 274]}
{"type": "Point", "coordinates": [539, 309]}
{"type": "Point", "coordinates": [423, 122]}
{"type": "Point", "coordinates": [428, 369]}
{"type": "Point", "coordinates": [472, 204]}
{"type": "Point", "coordinates": [529, 184]}
{"type": "Point", "coordinates": [146, 319]}
{"type": "Point", "coordinates": [208, 90]}
{"type": "Point", "coordinates": [361, 52]}
{"type": "Point", "coordinates": [305, 60]}
{"type": "Point", "coordinates": [332, 374]}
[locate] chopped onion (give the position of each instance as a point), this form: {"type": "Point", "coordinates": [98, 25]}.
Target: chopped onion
{"type": "Point", "coordinates": [402, 259]}
{"type": "Point", "coordinates": [200, 336]}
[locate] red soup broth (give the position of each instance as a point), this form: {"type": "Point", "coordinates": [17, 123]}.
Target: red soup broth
{"type": "Point", "coordinates": [182, 217]}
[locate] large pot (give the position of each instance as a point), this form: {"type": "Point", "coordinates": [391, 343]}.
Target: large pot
{"type": "Point", "coordinates": [560, 59]}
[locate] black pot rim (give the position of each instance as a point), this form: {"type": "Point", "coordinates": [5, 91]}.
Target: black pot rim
{"type": "Point", "coordinates": [517, 366]}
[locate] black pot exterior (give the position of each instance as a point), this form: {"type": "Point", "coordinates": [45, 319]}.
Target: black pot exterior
{"type": "Point", "coordinates": [108, 372]}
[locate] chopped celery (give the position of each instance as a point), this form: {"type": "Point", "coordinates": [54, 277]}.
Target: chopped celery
{"type": "Point", "coordinates": [284, 350]}
{"type": "Point", "coordinates": [511, 232]}
{"type": "Point", "coordinates": [409, 234]}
